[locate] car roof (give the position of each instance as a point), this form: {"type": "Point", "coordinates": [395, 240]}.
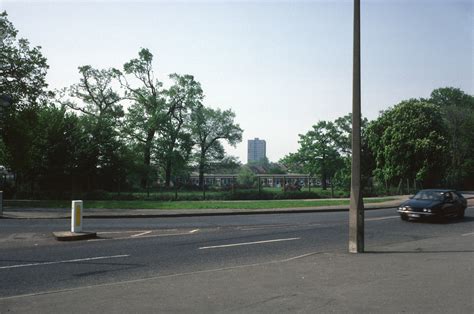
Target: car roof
{"type": "Point", "coordinates": [439, 190]}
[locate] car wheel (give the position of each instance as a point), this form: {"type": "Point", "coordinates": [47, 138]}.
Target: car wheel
{"type": "Point", "coordinates": [404, 217]}
{"type": "Point", "coordinates": [461, 213]}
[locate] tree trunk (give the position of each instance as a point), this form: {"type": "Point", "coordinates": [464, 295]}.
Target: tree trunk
{"type": "Point", "coordinates": [201, 169]}
{"type": "Point", "coordinates": [332, 188]}
{"type": "Point", "coordinates": [147, 158]}
{"type": "Point", "coordinates": [168, 173]}
{"type": "Point", "coordinates": [323, 181]}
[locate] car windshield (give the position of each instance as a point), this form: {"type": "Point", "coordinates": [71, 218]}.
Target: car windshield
{"type": "Point", "coordinates": [429, 195]}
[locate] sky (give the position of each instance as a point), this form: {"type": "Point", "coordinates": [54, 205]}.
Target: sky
{"type": "Point", "coordinates": [281, 66]}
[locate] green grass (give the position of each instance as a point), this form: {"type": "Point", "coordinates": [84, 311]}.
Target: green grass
{"type": "Point", "coordinates": [139, 204]}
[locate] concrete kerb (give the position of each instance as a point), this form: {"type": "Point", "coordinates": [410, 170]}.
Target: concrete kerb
{"type": "Point", "coordinates": [74, 236]}
{"type": "Point", "coordinates": [234, 213]}
{"type": "Point", "coordinates": [177, 213]}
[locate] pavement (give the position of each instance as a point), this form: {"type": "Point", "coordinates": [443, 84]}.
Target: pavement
{"type": "Point", "coordinates": [62, 213]}
{"type": "Point", "coordinates": [431, 275]}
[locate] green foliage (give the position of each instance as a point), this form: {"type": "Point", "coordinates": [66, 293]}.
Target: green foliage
{"type": "Point", "coordinates": [408, 142]}
{"type": "Point", "coordinates": [319, 153]}
{"type": "Point", "coordinates": [292, 163]}
{"type": "Point", "coordinates": [101, 147]}
{"type": "Point", "coordinates": [97, 97]}
{"type": "Point", "coordinates": [3, 153]}
{"type": "Point", "coordinates": [457, 109]}
{"type": "Point", "coordinates": [22, 68]}
{"type": "Point", "coordinates": [208, 127]}
{"type": "Point", "coordinates": [226, 165]}
{"type": "Point", "coordinates": [246, 177]}
{"type": "Point", "coordinates": [85, 143]}
{"type": "Point", "coordinates": [173, 146]}
{"type": "Point", "coordinates": [147, 111]}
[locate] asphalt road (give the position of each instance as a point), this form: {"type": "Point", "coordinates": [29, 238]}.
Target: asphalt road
{"type": "Point", "coordinates": [31, 261]}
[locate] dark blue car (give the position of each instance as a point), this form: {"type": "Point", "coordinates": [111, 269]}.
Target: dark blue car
{"type": "Point", "coordinates": [433, 203]}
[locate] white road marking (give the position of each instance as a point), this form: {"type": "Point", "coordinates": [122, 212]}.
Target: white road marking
{"type": "Point", "coordinates": [140, 234]}
{"type": "Point", "coordinates": [147, 235]}
{"type": "Point", "coordinates": [125, 231]}
{"type": "Point", "coordinates": [300, 256]}
{"type": "Point", "coordinates": [381, 218]}
{"type": "Point", "coordinates": [160, 235]}
{"type": "Point", "coordinates": [276, 227]}
{"type": "Point", "coordinates": [247, 243]}
{"type": "Point", "coordinates": [65, 261]}
{"type": "Point", "coordinates": [159, 277]}
{"type": "Point", "coordinates": [468, 234]}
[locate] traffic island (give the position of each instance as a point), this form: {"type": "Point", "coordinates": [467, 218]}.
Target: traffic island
{"type": "Point", "coordinates": [76, 232]}
{"type": "Point", "coordinates": [74, 236]}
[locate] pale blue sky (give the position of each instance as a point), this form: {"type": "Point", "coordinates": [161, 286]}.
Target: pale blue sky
{"type": "Point", "coordinates": [281, 66]}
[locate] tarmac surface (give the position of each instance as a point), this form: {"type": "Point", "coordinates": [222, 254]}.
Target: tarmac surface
{"type": "Point", "coordinates": [409, 267]}
{"type": "Point", "coordinates": [426, 276]}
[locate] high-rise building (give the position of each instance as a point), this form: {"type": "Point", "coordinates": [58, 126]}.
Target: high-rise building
{"type": "Point", "coordinates": [256, 150]}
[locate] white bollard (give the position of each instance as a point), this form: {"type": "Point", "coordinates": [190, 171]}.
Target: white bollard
{"type": "Point", "coordinates": [76, 216]}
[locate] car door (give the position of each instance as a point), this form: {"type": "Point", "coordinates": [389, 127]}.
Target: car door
{"type": "Point", "coordinates": [452, 203]}
{"type": "Point", "coordinates": [447, 207]}
{"type": "Point", "coordinates": [458, 204]}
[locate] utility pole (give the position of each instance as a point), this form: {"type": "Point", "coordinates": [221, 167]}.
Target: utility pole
{"type": "Point", "coordinates": [356, 210]}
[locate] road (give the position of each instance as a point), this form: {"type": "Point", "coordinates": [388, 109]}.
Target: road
{"type": "Point", "coordinates": [31, 261]}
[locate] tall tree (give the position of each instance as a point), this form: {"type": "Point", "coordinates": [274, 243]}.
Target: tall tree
{"type": "Point", "coordinates": [22, 68]}
{"type": "Point", "coordinates": [101, 111]}
{"type": "Point", "coordinates": [343, 142]}
{"type": "Point", "coordinates": [319, 151]}
{"type": "Point", "coordinates": [408, 142]}
{"type": "Point", "coordinates": [208, 127]}
{"type": "Point", "coordinates": [148, 110]}
{"type": "Point", "coordinates": [174, 144]}
{"type": "Point", "coordinates": [59, 143]}
{"type": "Point", "coordinates": [458, 112]}
{"type": "Point", "coordinates": [22, 94]}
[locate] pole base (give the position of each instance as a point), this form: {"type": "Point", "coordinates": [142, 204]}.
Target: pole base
{"type": "Point", "coordinates": [74, 236]}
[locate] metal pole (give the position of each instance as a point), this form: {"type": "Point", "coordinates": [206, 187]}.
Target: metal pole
{"type": "Point", "coordinates": [356, 211]}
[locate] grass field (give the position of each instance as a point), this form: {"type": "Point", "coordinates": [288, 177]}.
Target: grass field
{"type": "Point", "coordinates": [139, 204]}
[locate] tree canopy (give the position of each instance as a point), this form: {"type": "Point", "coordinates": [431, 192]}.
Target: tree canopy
{"type": "Point", "coordinates": [123, 129]}
{"type": "Point", "coordinates": [208, 128]}
{"type": "Point", "coordinates": [409, 142]}
{"type": "Point", "coordinates": [22, 67]}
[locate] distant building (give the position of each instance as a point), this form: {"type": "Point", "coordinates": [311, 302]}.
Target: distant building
{"type": "Point", "coordinates": [257, 150]}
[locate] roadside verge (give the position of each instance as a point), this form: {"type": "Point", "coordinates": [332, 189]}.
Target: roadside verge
{"type": "Point", "coordinates": [62, 213]}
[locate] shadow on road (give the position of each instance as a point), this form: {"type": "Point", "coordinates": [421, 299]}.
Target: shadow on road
{"type": "Point", "coordinates": [443, 221]}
